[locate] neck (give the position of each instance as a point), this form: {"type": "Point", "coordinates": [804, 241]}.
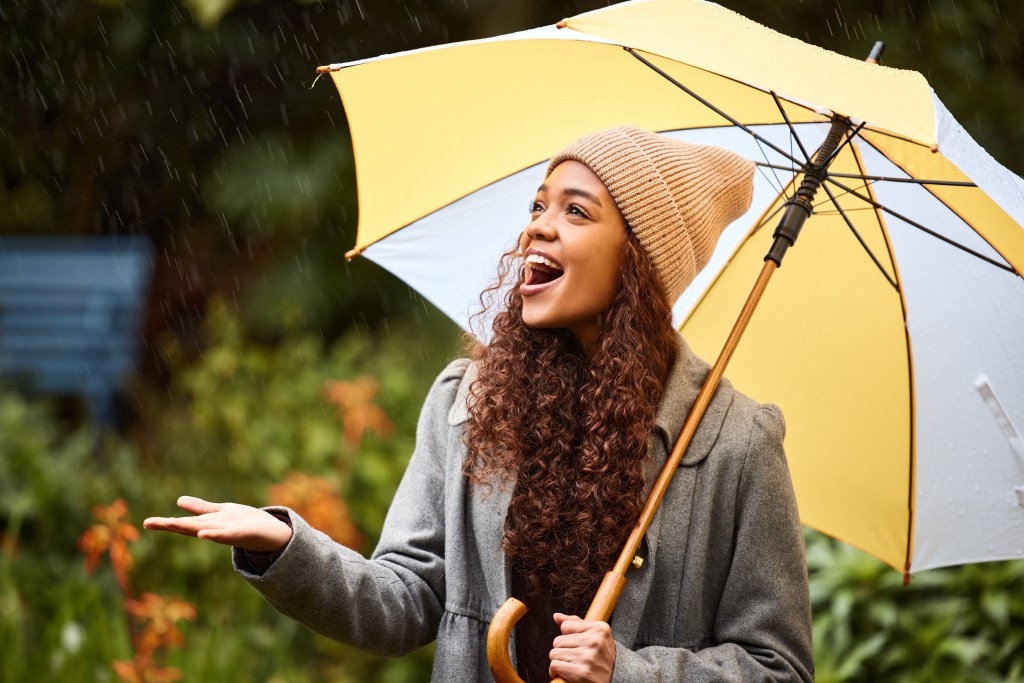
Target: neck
{"type": "Point", "coordinates": [587, 336]}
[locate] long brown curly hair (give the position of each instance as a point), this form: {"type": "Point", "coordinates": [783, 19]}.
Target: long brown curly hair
{"type": "Point", "coordinates": [569, 431]}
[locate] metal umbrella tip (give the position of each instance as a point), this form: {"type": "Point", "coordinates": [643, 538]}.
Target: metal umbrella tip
{"type": "Point", "coordinates": [323, 69]}
{"type": "Point", "coordinates": [562, 24]}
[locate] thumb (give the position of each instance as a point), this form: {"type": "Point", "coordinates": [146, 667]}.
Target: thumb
{"type": "Point", "coordinates": [561, 618]}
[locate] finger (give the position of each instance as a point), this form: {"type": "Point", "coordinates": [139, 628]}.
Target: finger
{"type": "Point", "coordinates": [198, 506]}
{"type": "Point", "coordinates": [223, 536]}
{"type": "Point", "coordinates": [166, 524]}
{"type": "Point", "coordinates": [188, 526]}
{"type": "Point", "coordinates": [569, 671]}
{"type": "Point", "coordinates": [563, 653]}
{"type": "Point", "coordinates": [589, 640]}
{"type": "Point", "coordinates": [572, 641]}
{"type": "Point", "coordinates": [577, 625]}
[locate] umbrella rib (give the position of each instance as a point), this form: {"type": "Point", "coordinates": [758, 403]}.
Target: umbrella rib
{"type": "Point", "coordinates": [860, 239]}
{"type": "Point", "coordinates": [917, 225]}
{"type": "Point", "coordinates": [792, 130]}
{"type": "Point", "coordinates": [841, 194]}
{"type": "Point", "coordinates": [873, 178]}
{"type": "Point", "coordinates": [823, 202]}
{"type": "Point", "coordinates": [916, 181]}
{"type": "Point", "coordinates": [712, 107]}
{"type": "Point", "coordinates": [835, 213]}
{"type": "Point", "coordinates": [844, 143]}
{"type": "Point", "coordinates": [791, 169]}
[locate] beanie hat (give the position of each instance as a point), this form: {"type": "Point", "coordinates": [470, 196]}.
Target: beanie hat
{"type": "Point", "coordinates": [677, 197]}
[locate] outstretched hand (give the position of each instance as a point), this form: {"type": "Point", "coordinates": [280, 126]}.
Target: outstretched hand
{"type": "Point", "coordinates": [585, 652]}
{"type": "Point", "coordinates": [232, 524]}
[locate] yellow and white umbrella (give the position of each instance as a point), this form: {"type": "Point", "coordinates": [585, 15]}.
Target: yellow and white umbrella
{"type": "Point", "coordinates": [893, 337]}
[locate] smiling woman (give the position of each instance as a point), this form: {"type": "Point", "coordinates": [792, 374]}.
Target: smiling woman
{"type": "Point", "coordinates": [533, 460]}
{"type": "Point", "coordinates": [573, 250]}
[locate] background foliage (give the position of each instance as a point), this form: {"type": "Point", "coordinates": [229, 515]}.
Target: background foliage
{"type": "Point", "coordinates": [193, 122]}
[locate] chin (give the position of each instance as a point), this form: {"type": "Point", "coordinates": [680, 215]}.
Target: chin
{"type": "Point", "coordinates": [536, 322]}
{"type": "Point", "coordinates": [539, 321]}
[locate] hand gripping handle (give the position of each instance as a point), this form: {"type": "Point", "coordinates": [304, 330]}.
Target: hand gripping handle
{"type": "Point", "coordinates": [512, 610]}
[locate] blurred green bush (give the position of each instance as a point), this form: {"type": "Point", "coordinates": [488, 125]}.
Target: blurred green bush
{"type": "Point", "coordinates": [957, 624]}
{"type": "Point", "coordinates": [238, 416]}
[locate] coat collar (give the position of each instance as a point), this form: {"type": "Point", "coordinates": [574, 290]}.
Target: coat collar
{"type": "Point", "coordinates": [459, 412]}
{"type": "Point", "coordinates": [685, 380]}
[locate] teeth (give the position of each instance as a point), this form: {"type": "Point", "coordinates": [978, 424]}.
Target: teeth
{"type": "Point", "coordinates": [537, 258]}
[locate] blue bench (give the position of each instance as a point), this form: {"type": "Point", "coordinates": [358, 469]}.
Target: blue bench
{"type": "Point", "coordinates": [70, 313]}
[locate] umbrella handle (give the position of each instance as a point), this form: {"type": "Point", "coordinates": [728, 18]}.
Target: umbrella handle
{"type": "Point", "coordinates": [512, 610]}
{"type": "Point", "coordinates": [498, 634]}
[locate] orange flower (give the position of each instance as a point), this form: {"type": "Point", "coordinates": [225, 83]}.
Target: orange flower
{"type": "Point", "coordinates": [315, 499]}
{"type": "Point", "coordinates": [143, 670]}
{"type": "Point", "coordinates": [161, 616]}
{"type": "Point", "coordinates": [358, 412]}
{"type": "Point", "coordinates": [112, 534]}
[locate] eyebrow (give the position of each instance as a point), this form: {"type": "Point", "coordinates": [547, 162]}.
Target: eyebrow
{"type": "Point", "coordinates": [575, 192]}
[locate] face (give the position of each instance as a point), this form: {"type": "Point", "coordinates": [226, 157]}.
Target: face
{"type": "Point", "coordinates": [573, 250]}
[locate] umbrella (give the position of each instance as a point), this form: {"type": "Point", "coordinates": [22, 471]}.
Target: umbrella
{"type": "Point", "coordinates": [893, 336]}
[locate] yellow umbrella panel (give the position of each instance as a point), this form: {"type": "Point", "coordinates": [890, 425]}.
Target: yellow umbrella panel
{"type": "Point", "coordinates": [828, 337]}
{"type": "Point", "coordinates": [432, 126]}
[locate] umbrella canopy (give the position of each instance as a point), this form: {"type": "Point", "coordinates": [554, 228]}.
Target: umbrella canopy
{"type": "Point", "coordinates": [893, 337]}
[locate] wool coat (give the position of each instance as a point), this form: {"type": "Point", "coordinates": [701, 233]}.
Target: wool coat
{"type": "Point", "coordinates": [722, 596]}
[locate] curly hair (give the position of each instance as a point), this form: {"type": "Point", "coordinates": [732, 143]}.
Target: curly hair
{"type": "Point", "coordinates": [569, 431]}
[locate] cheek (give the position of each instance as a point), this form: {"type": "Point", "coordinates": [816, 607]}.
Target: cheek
{"type": "Point", "coordinates": [611, 272]}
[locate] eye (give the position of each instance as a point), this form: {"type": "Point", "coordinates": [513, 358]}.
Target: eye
{"type": "Point", "coordinates": [536, 207]}
{"type": "Point", "coordinates": [577, 210]}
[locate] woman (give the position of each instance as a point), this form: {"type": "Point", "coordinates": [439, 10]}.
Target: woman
{"type": "Point", "coordinates": [532, 461]}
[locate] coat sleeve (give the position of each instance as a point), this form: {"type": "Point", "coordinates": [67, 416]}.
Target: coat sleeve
{"type": "Point", "coordinates": [391, 603]}
{"type": "Point", "coordinates": [762, 630]}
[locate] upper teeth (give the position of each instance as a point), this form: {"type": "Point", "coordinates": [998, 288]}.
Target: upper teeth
{"type": "Point", "coordinates": [537, 258]}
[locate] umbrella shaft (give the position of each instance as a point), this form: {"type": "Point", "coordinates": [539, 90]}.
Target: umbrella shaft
{"type": "Point", "coordinates": [799, 207]}
{"type": "Point", "coordinates": [602, 606]}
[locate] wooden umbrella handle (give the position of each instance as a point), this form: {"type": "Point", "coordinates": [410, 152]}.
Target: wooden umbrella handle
{"type": "Point", "coordinates": [498, 635]}
{"type": "Point", "coordinates": [511, 611]}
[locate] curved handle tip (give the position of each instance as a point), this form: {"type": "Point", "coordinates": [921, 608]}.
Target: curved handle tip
{"type": "Point", "coordinates": [498, 635]}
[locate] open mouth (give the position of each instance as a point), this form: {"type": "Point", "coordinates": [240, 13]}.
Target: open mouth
{"type": "Point", "coordinates": [541, 270]}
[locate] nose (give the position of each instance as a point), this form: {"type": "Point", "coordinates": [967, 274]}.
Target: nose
{"type": "Point", "coordinates": [542, 228]}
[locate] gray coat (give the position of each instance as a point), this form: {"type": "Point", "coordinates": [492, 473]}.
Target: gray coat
{"type": "Point", "coordinates": [722, 596]}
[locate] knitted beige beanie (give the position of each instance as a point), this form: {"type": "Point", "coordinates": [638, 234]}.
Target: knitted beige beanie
{"type": "Point", "coordinates": [676, 196]}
